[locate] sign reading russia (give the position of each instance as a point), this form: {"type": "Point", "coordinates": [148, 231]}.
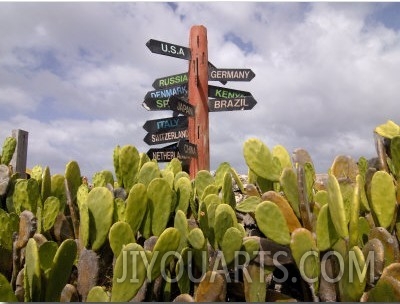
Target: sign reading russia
{"type": "Point", "coordinates": [170, 81]}
{"type": "Point", "coordinates": [168, 49]}
{"type": "Point", "coordinates": [230, 74]}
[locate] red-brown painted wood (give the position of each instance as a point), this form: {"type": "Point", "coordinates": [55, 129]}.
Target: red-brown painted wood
{"type": "Point", "coordinates": [198, 128]}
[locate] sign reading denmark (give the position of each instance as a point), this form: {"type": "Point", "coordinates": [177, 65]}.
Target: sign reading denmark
{"type": "Point", "coordinates": [232, 104]}
{"type": "Point", "coordinates": [168, 49]}
{"type": "Point", "coordinates": [158, 99]}
{"type": "Point", "coordinates": [231, 75]}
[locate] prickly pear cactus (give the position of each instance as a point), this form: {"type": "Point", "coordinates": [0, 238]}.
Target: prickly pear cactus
{"type": "Point", "coordinates": [9, 145]}
{"type": "Point", "coordinates": [73, 177]}
{"type": "Point", "coordinates": [26, 195]}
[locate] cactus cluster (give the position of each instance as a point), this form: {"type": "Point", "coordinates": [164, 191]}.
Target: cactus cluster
{"type": "Point", "coordinates": [146, 233]}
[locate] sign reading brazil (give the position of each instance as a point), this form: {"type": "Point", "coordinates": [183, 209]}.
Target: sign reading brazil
{"type": "Point", "coordinates": [232, 104]}
{"type": "Point", "coordinates": [165, 137]}
{"type": "Point", "coordinates": [168, 49]}
{"type": "Point", "coordinates": [158, 99]}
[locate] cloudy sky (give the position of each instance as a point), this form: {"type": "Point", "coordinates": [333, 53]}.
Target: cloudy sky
{"type": "Point", "coordinates": [74, 75]}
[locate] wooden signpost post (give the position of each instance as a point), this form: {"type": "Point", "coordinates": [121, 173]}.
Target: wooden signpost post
{"type": "Point", "coordinates": [187, 94]}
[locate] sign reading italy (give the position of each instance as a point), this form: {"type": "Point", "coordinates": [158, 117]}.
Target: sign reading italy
{"type": "Point", "coordinates": [163, 124]}
{"type": "Point", "coordinates": [231, 75]}
{"type": "Point", "coordinates": [168, 49]}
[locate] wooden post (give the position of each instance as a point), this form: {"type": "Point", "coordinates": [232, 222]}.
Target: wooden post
{"type": "Point", "coordinates": [198, 129]}
{"type": "Point", "coordinates": [18, 161]}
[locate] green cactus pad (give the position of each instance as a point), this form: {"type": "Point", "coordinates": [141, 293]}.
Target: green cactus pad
{"type": "Point", "coordinates": [306, 255]}
{"type": "Point", "coordinates": [9, 145]}
{"type": "Point", "coordinates": [6, 291]}
{"type": "Point", "coordinates": [136, 206]}
{"type": "Point", "coordinates": [51, 207]}
{"type": "Point", "coordinates": [325, 230]}
{"type": "Point", "coordinates": [58, 189]}
{"type": "Point", "coordinates": [225, 218]}
{"type": "Point", "coordinates": [255, 287]}
{"type": "Point", "coordinates": [344, 167]}
{"type": "Point", "coordinates": [45, 189]}
{"type": "Point", "coordinates": [231, 243]}
{"type": "Point", "coordinates": [250, 245]}
{"type": "Point", "coordinates": [33, 274]}
{"type": "Point", "coordinates": [180, 223]}
{"type": "Point", "coordinates": [352, 285]}
{"type": "Point", "coordinates": [117, 168]}
{"type": "Point", "coordinates": [47, 251]}
{"type": "Point", "coordinates": [175, 166]}
{"type": "Point", "coordinates": [283, 155]}
{"type": "Point", "coordinates": [228, 196]}
{"type": "Point", "coordinates": [97, 294]}
{"type": "Point", "coordinates": [73, 177]}
{"type": "Point", "coordinates": [129, 160]}
{"type": "Point", "coordinates": [148, 172]}
{"type": "Point", "coordinates": [336, 207]}
{"type": "Point", "coordinates": [196, 238]}
{"type": "Point", "coordinates": [119, 210]}
{"type": "Point", "coordinates": [260, 159]}
{"type": "Point", "coordinates": [354, 213]}
{"type": "Point", "coordinates": [100, 203]}
{"type": "Point", "coordinates": [82, 194]}
{"type": "Point", "coordinates": [120, 235]}
{"type": "Point", "coordinates": [61, 270]}
{"type": "Point", "coordinates": [383, 198]}
{"type": "Point", "coordinates": [202, 179]}
{"type": "Point", "coordinates": [395, 154]}
{"type": "Point", "coordinates": [160, 202]}
{"type": "Point", "coordinates": [272, 222]}
{"type": "Point", "coordinates": [9, 223]}
{"type": "Point", "coordinates": [37, 173]}
{"type": "Point", "coordinates": [184, 191]}
{"type": "Point", "coordinates": [249, 204]}
{"type": "Point", "coordinates": [129, 273]}
{"type": "Point", "coordinates": [386, 290]}
{"type": "Point", "coordinates": [288, 180]}
{"type": "Point", "coordinates": [103, 178]}
{"type": "Point", "coordinates": [26, 195]}
{"type": "Point", "coordinates": [84, 226]}
{"type": "Point", "coordinates": [167, 243]}
{"type": "Point", "coordinates": [222, 169]}
{"type": "Point", "coordinates": [388, 129]}
{"type": "Point", "coordinates": [210, 189]}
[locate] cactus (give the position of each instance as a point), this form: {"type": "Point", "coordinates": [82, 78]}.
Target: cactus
{"type": "Point", "coordinates": [272, 222]}
{"type": "Point", "coordinates": [100, 203]}
{"type": "Point", "coordinates": [325, 229]}
{"type": "Point", "coordinates": [120, 235]}
{"type": "Point", "coordinates": [45, 189]}
{"type": "Point", "coordinates": [119, 210]}
{"type": "Point", "coordinates": [103, 178]}
{"type": "Point", "coordinates": [33, 274]}
{"type": "Point", "coordinates": [225, 218]}
{"type": "Point", "coordinates": [58, 189]}
{"type": "Point", "coordinates": [6, 291]}
{"type": "Point", "coordinates": [9, 145]}
{"type": "Point", "coordinates": [160, 204]}
{"type": "Point", "coordinates": [47, 251]}
{"type": "Point", "coordinates": [97, 294]}
{"type": "Point", "coordinates": [26, 195]}
{"type": "Point", "coordinates": [202, 179]}
{"type": "Point", "coordinates": [354, 213]}
{"type": "Point", "coordinates": [282, 154]}
{"type": "Point", "coordinates": [288, 180]}
{"type": "Point", "coordinates": [175, 166]}
{"type": "Point", "coordinates": [391, 247]}
{"type": "Point", "coordinates": [222, 169]}
{"type": "Point", "coordinates": [388, 129]}
{"type": "Point", "coordinates": [228, 196]}
{"type": "Point", "coordinates": [51, 207]}
{"type": "Point", "coordinates": [136, 206]}
{"type": "Point", "coordinates": [231, 244]}
{"type": "Point", "coordinates": [395, 155]}
{"type": "Point", "coordinates": [255, 286]}
{"type": "Point", "coordinates": [128, 166]}
{"type": "Point", "coordinates": [180, 223]}
{"type": "Point", "coordinates": [249, 204]}
{"type": "Point", "coordinates": [73, 177]}
{"type": "Point", "coordinates": [148, 172]}
{"type": "Point", "coordinates": [260, 160]}
{"type": "Point", "coordinates": [61, 270]}
{"type": "Point", "coordinates": [8, 225]}
{"type": "Point", "coordinates": [383, 198]}
{"type": "Point", "coordinates": [196, 238]}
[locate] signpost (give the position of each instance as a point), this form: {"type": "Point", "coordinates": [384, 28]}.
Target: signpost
{"type": "Point", "coordinates": [177, 104]}
{"type": "Point", "coordinates": [165, 137]}
{"type": "Point", "coordinates": [231, 75]}
{"type": "Point", "coordinates": [233, 104]}
{"type": "Point", "coordinates": [190, 133]}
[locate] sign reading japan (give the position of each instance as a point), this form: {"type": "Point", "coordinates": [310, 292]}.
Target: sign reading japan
{"type": "Point", "coordinates": [179, 105]}
{"type": "Point", "coordinates": [164, 124]}
{"type": "Point", "coordinates": [165, 137]}
{"type": "Point", "coordinates": [158, 99]}
{"type": "Point", "coordinates": [230, 74]}
{"type": "Point", "coordinates": [168, 49]}
{"type": "Point", "coordinates": [233, 104]}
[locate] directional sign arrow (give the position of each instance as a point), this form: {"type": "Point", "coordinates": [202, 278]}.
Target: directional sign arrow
{"type": "Point", "coordinates": [177, 104]}
{"type": "Point", "coordinates": [158, 99]}
{"type": "Point", "coordinates": [165, 154]}
{"type": "Point", "coordinates": [231, 75]}
{"type": "Point", "coordinates": [220, 92]}
{"type": "Point", "coordinates": [186, 148]}
{"type": "Point", "coordinates": [168, 81]}
{"type": "Point", "coordinates": [164, 124]}
{"type": "Point", "coordinates": [168, 49]}
{"type": "Point", "coordinates": [165, 137]}
{"type": "Point", "coordinates": [233, 104]}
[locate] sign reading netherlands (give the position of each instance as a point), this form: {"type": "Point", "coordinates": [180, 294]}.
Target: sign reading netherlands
{"type": "Point", "coordinates": [165, 154]}
{"type": "Point", "coordinates": [164, 124]}
{"type": "Point", "coordinates": [166, 136]}
{"type": "Point", "coordinates": [179, 105]}
{"type": "Point", "coordinates": [232, 104]}
{"type": "Point", "coordinates": [220, 92]}
{"type": "Point", "coordinates": [168, 81]}
{"type": "Point", "coordinates": [168, 49]}
{"type": "Point", "coordinates": [231, 75]}
{"type": "Point", "coordinates": [158, 99]}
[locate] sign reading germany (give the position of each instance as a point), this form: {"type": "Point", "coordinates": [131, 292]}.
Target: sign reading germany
{"type": "Point", "coordinates": [231, 75]}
